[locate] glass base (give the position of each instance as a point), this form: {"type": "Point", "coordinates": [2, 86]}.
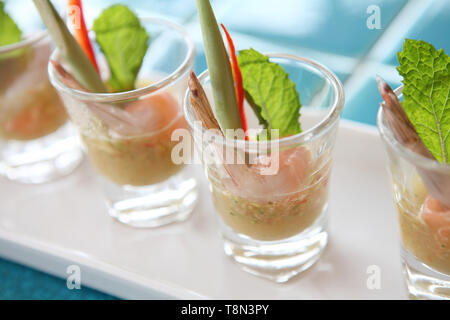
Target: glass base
{"type": "Point", "coordinates": [41, 160]}
{"type": "Point", "coordinates": [277, 261]}
{"type": "Point", "coordinates": [424, 283]}
{"type": "Point", "coordinates": [153, 206]}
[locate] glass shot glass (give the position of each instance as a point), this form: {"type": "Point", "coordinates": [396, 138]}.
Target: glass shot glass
{"type": "Point", "coordinates": [127, 135]}
{"type": "Point", "coordinates": [424, 222]}
{"type": "Point", "coordinates": [273, 213]}
{"type": "Point", "coordinates": [36, 142]}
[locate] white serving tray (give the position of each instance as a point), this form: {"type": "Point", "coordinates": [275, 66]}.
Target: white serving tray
{"type": "Point", "coordinates": [50, 227]}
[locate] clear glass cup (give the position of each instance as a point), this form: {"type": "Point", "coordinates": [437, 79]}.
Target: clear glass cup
{"type": "Point", "coordinates": [274, 222]}
{"type": "Point", "coordinates": [127, 135]}
{"type": "Point", "coordinates": [36, 142]}
{"type": "Point", "coordinates": [424, 223]}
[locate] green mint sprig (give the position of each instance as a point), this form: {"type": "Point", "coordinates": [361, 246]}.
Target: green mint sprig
{"type": "Point", "coordinates": [9, 31]}
{"type": "Point", "coordinates": [426, 79]}
{"type": "Point", "coordinates": [124, 41]}
{"type": "Point", "coordinates": [270, 92]}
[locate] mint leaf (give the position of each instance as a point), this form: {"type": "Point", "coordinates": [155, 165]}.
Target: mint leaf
{"type": "Point", "coordinates": [270, 92]}
{"type": "Point", "coordinates": [9, 31]}
{"type": "Point", "coordinates": [426, 80]}
{"type": "Point", "coordinates": [124, 41]}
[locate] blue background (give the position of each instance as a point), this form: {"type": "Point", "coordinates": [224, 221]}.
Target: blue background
{"type": "Point", "coordinates": [334, 32]}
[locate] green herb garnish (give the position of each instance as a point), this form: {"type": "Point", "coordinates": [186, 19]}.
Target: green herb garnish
{"type": "Point", "coordinates": [124, 41]}
{"type": "Point", "coordinates": [268, 89]}
{"type": "Point", "coordinates": [270, 92]}
{"type": "Point", "coordinates": [219, 67]}
{"type": "Point", "coordinates": [9, 31]}
{"type": "Point", "coordinates": [68, 47]}
{"type": "Point", "coordinates": [426, 92]}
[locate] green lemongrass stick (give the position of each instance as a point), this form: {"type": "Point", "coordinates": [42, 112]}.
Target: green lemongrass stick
{"type": "Point", "coordinates": [69, 48]}
{"type": "Point", "coordinates": [219, 67]}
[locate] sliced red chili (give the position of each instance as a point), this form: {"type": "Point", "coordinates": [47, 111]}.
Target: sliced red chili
{"type": "Point", "coordinates": [238, 80]}
{"type": "Point", "coordinates": [80, 30]}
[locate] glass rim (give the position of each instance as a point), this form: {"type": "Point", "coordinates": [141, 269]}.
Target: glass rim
{"type": "Point", "coordinates": [25, 42]}
{"type": "Point", "coordinates": [306, 136]}
{"type": "Point", "coordinates": [34, 38]}
{"type": "Point", "coordinates": [182, 69]}
{"type": "Point", "coordinates": [413, 157]}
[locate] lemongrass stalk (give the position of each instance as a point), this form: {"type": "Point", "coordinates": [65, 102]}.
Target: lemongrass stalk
{"type": "Point", "coordinates": [68, 47]}
{"type": "Point", "coordinates": [221, 75]}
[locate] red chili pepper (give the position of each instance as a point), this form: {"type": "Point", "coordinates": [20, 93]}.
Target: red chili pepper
{"type": "Point", "coordinates": [80, 30]}
{"type": "Point", "coordinates": [238, 80]}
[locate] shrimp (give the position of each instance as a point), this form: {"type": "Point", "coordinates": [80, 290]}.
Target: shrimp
{"type": "Point", "coordinates": [141, 153]}
{"type": "Point", "coordinates": [437, 216]}
{"type": "Point", "coordinates": [146, 115]}
{"type": "Point", "coordinates": [294, 168]}
{"type": "Point", "coordinates": [155, 112]}
{"type": "Point", "coordinates": [41, 113]}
